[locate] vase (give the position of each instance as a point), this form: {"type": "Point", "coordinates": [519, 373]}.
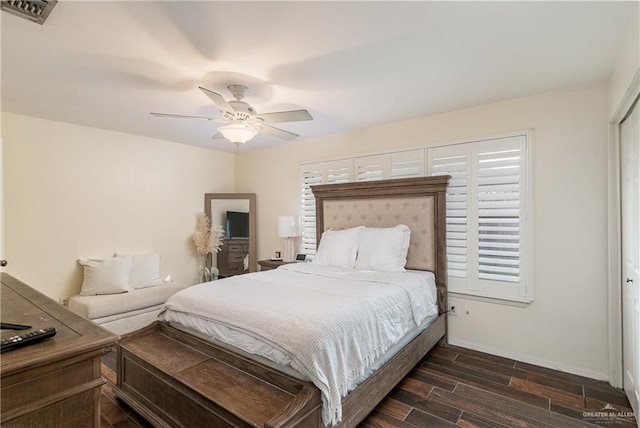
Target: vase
{"type": "Point", "coordinates": [206, 273]}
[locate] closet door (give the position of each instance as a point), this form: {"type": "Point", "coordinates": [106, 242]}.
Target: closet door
{"type": "Point", "coordinates": [630, 195]}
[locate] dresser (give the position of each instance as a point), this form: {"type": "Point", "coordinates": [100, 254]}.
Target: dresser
{"type": "Point", "coordinates": [55, 382]}
{"type": "Point", "coordinates": [231, 256]}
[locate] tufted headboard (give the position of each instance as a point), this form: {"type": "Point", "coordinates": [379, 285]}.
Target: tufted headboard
{"type": "Point", "coordinates": [417, 202]}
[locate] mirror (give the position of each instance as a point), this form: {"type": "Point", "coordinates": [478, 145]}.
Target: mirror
{"type": "Point", "coordinates": [236, 213]}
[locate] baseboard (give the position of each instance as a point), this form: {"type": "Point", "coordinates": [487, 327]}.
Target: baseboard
{"type": "Point", "coordinates": [530, 360]}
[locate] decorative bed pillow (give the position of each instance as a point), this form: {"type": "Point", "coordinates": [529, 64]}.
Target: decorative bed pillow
{"type": "Point", "coordinates": [105, 276]}
{"type": "Point", "coordinates": [338, 248]}
{"type": "Point", "coordinates": [383, 248]}
{"type": "Point", "coordinates": [145, 270]}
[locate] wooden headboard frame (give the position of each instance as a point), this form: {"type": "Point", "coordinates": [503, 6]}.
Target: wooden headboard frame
{"type": "Point", "coordinates": [343, 205]}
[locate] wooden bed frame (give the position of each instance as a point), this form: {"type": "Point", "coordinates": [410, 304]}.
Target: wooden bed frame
{"type": "Point", "coordinates": [175, 379]}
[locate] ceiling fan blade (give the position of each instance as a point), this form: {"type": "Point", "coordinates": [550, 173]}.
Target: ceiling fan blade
{"type": "Point", "coordinates": [179, 116]}
{"type": "Point", "coordinates": [286, 116]}
{"type": "Point", "coordinates": [218, 136]}
{"type": "Point", "coordinates": [218, 100]}
{"type": "Point", "coordinates": [277, 132]}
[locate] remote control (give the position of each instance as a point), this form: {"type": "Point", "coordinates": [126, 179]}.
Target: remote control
{"type": "Point", "coordinates": [9, 326]}
{"type": "Point", "coordinates": [26, 338]}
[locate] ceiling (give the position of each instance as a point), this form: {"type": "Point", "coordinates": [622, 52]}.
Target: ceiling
{"type": "Point", "coordinates": [350, 64]}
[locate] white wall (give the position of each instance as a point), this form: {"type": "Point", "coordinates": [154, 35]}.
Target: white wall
{"type": "Point", "coordinates": [74, 192]}
{"type": "Point", "coordinates": [566, 326]}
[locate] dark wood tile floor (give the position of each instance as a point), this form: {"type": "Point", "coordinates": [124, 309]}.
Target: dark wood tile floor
{"type": "Point", "coordinates": [454, 386]}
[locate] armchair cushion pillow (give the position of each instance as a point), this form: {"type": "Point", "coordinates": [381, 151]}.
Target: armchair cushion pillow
{"type": "Point", "coordinates": [105, 276]}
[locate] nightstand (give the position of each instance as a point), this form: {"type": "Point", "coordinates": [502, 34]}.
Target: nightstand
{"type": "Point", "coordinates": [271, 264]}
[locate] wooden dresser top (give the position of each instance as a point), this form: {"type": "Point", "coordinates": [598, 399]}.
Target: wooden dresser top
{"type": "Point", "coordinates": [21, 304]}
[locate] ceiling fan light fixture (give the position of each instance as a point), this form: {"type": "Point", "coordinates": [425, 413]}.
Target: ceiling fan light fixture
{"type": "Point", "coordinates": [238, 133]}
{"type": "Point", "coordinates": [243, 121]}
{"type": "Point", "coordinates": [33, 10]}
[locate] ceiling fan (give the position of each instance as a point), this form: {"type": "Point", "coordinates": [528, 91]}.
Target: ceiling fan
{"type": "Point", "coordinates": [243, 121]}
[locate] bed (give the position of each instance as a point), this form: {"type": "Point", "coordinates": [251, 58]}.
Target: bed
{"type": "Point", "coordinates": [174, 374]}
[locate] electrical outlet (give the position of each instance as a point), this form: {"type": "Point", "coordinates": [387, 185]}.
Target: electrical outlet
{"type": "Point", "coordinates": [64, 301]}
{"type": "Point", "coordinates": [453, 310]}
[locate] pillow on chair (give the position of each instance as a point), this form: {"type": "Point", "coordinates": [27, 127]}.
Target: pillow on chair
{"type": "Point", "coordinates": [106, 276]}
{"type": "Point", "coordinates": [145, 270]}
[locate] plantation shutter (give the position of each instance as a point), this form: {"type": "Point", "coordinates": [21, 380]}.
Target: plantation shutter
{"type": "Point", "coordinates": [452, 161]}
{"type": "Point", "coordinates": [409, 163]}
{"type": "Point", "coordinates": [488, 238]}
{"type": "Point", "coordinates": [338, 171]}
{"type": "Point", "coordinates": [310, 175]}
{"type": "Point", "coordinates": [370, 168]}
{"type": "Point", "coordinates": [485, 210]}
{"type": "Point", "coordinates": [499, 207]}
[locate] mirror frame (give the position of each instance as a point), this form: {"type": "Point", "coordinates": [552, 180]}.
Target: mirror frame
{"type": "Point", "coordinates": [209, 197]}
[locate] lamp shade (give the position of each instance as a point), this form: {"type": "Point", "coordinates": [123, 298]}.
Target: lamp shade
{"type": "Point", "coordinates": [288, 226]}
{"type": "Point", "coordinates": [237, 133]}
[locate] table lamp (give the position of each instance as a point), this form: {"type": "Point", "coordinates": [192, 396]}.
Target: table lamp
{"type": "Point", "coordinates": [288, 228]}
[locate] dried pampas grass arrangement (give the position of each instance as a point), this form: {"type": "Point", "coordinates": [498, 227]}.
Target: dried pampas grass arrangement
{"type": "Point", "coordinates": [207, 239]}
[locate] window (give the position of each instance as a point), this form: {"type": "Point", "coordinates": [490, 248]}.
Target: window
{"type": "Point", "coordinates": [488, 245]}
{"type": "Point", "coordinates": [454, 163]}
{"type": "Point", "coordinates": [337, 171]}
{"type": "Point", "coordinates": [403, 164]}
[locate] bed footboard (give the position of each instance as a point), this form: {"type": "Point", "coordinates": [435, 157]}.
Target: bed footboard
{"type": "Point", "coordinates": [174, 379]}
{"type": "Point", "coordinates": [362, 400]}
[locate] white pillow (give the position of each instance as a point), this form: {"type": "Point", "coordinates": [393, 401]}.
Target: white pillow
{"type": "Point", "coordinates": [105, 276]}
{"type": "Point", "coordinates": [383, 248]}
{"type": "Point", "coordinates": [145, 270]}
{"type": "Point", "coordinates": [338, 248]}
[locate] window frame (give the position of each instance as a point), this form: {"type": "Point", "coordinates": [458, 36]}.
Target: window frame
{"type": "Point", "coordinates": [327, 175]}
{"type": "Point", "coordinates": [525, 293]}
{"type": "Point", "coordinates": [490, 289]}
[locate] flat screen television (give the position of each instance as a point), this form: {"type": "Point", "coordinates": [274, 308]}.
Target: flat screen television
{"type": "Point", "coordinates": [237, 224]}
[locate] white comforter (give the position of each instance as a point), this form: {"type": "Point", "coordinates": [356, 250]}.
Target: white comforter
{"type": "Point", "coordinates": [332, 323]}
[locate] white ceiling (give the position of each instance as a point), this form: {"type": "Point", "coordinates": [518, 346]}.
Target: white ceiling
{"type": "Point", "coordinates": [350, 64]}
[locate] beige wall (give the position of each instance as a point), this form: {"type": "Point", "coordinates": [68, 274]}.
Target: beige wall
{"type": "Point", "coordinates": [73, 191]}
{"type": "Point", "coordinates": [566, 326]}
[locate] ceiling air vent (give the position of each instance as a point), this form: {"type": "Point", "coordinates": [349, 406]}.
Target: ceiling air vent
{"type": "Point", "coordinates": [34, 10]}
